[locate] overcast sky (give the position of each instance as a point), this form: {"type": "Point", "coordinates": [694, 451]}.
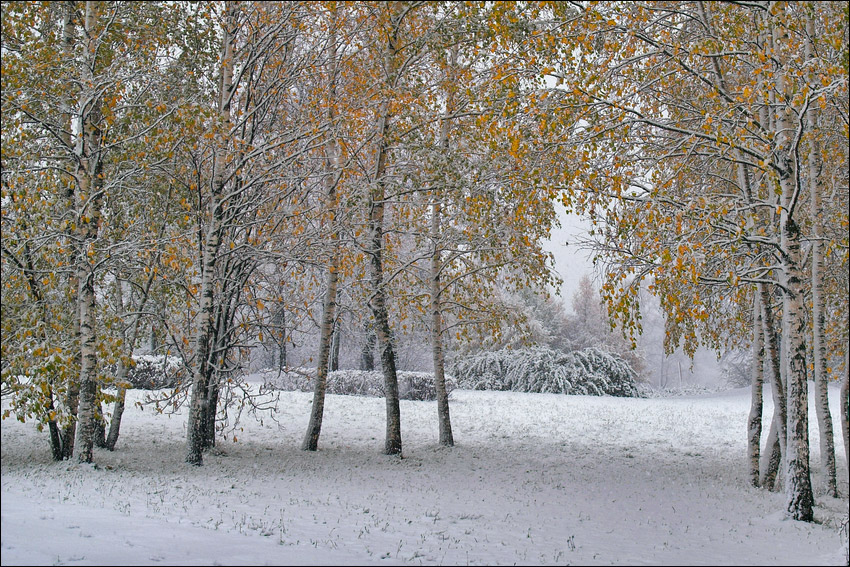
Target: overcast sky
{"type": "Point", "coordinates": [570, 262]}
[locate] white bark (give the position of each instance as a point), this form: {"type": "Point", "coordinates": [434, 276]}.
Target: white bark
{"type": "Point", "coordinates": [777, 435]}
{"type": "Point", "coordinates": [199, 405]}
{"type": "Point", "coordinates": [84, 439]}
{"type": "Point", "coordinates": [375, 207]}
{"type": "Point", "coordinates": [844, 404]}
{"type": "Point", "coordinates": [798, 482]}
{"type": "Point", "coordinates": [443, 417]}
{"type": "Point", "coordinates": [827, 441]}
{"type": "Point", "coordinates": [90, 180]}
{"type": "Point", "coordinates": [754, 421]}
{"type": "Point", "coordinates": [72, 386]}
{"type": "Point", "coordinates": [130, 343]}
{"type": "Point", "coordinates": [314, 427]}
{"type": "Point", "coordinates": [328, 332]}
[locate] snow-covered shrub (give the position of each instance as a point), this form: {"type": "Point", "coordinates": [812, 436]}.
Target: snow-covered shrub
{"type": "Point", "coordinates": [411, 385]}
{"type": "Point", "coordinates": [419, 385]}
{"type": "Point", "coordinates": [591, 371]}
{"type": "Point", "coordinates": [686, 390]}
{"type": "Point", "coordinates": [154, 372]}
{"type": "Point", "coordinates": [292, 380]}
{"type": "Point", "coordinates": [356, 383]}
{"type": "Point", "coordinates": [483, 371]}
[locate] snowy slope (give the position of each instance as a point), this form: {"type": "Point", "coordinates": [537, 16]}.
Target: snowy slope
{"type": "Point", "coordinates": [534, 479]}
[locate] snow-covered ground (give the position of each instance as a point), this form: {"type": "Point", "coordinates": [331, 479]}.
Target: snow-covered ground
{"type": "Point", "coordinates": [533, 479]}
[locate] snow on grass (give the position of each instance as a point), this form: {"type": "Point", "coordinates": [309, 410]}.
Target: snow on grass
{"type": "Point", "coordinates": [534, 479]}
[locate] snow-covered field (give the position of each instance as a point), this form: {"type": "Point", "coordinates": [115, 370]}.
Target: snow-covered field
{"type": "Point", "coordinates": [534, 479]}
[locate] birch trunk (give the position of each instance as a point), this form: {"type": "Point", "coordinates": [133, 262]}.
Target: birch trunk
{"type": "Point", "coordinates": [70, 400]}
{"type": "Point", "coordinates": [443, 417]}
{"type": "Point", "coordinates": [367, 353]}
{"type": "Point", "coordinates": [55, 434]}
{"type": "Point", "coordinates": [328, 331]}
{"type": "Point", "coordinates": [200, 374]}
{"type": "Point", "coordinates": [99, 435]}
{"type": "Point", "coordinates": [776, 437]}
{"type": "Point", "coordinates": [111, 438]}
{"type": "Point", "coordinates": [123, 368]}
{"type": "Point", "coordinates": [90, 180]}
{"type": "Point", "coordinates": [217, 365]}
{"type": "Point", "coordinates": [209, 414]}
{"type": "Point", "coordinates": [199, 405]}
{"type": "Point", "coordinates": [772, 459]}
{"type": "Point", "coordinates": [72, 384]}
{"type": "Point", "coordinates": [777, 434]}
{"type": "Point", "coordinates": [281, 321]}
{"type": "Point", "coordinates": [87, 409]}
{"type": "Point", "coordinates": [754, 422]}
{"type": "Point", "coordinates": [84, 438]}
{"type": "Point", "coordinates": [827, 440]}
{"type": "Point", "coordinates": [336, 343]}
{"type": "Point", "coordinates": [845, 405]}
{"type": "Point", "coordinates": [798, 483]}
{"type": "Point", "coordinates": [117, 409]}
{"type": "Point", "coordinates": [821, 376]}
{"type": "Point", "coordinates": [314, 427]}
{"type": "Point", "coordinates": [378, 303]}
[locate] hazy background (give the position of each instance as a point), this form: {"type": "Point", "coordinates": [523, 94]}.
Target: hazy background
{"type": "Point", "coordinates": [662, 371]}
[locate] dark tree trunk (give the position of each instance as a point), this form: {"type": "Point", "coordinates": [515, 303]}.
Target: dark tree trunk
{"type": "Point", "coordinates": [314, 427]}
{"type": "Point", "coordinates": [115, 422]}
{"type": "Point", "coordinates": [209, 414]}
{"type": "Point", "coordinates": [99, 429]}
{"type": "Point", "coordinates": [367, 354]}
{"type": "Point", "coordinates": [335, 346]}
{"type": "Point", "coordinates": [55, 435]}
{"type": "Point", "coordinates": [280, 334]}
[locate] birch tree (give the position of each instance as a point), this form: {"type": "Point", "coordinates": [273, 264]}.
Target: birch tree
{"type": "Point", "coordinates": [328, 330]}
{"type": "Point", "coordinates": [698, 102]}
{"type": "Point", "coordinates": [251, 165]}
{"type": "Point", "coordinates": [81, 108]}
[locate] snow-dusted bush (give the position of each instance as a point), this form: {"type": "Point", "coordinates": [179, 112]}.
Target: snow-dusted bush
{"type": "Point", "coordinates": [591, 371]}
{"type": "Point", "coordinates": [419, 385]}
{"type": "Point", "coordinates": [411, 385]}
{"type": "Point", "coordinates": [292, 380]}
{"type": "Point", "coordinates": [154, 372]}
{"type": "Point", "coordinates": [355, 383]}
{"type": "Point", "coordinates": [686, 390]}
